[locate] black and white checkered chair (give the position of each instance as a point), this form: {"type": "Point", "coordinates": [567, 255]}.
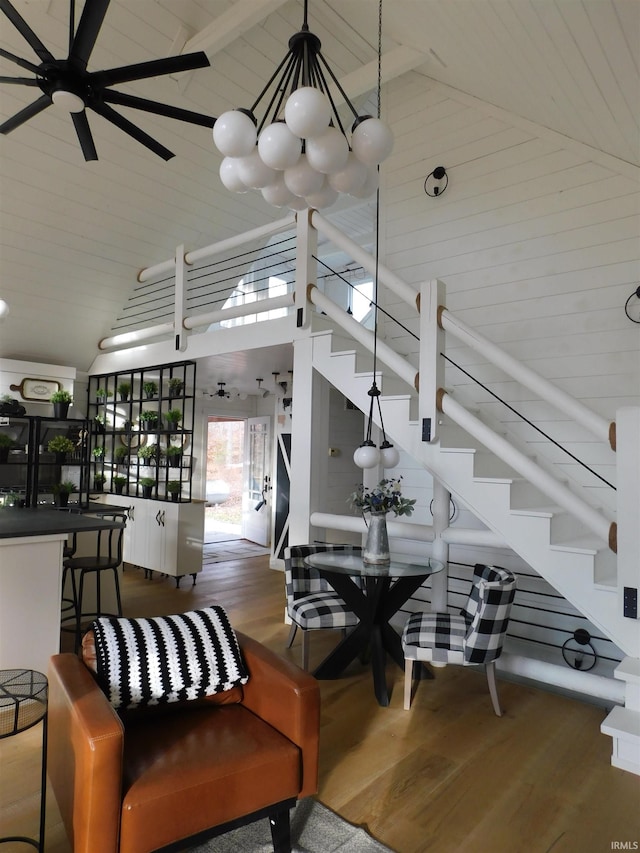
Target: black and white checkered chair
{"type": "Point", "coordinates": [312, 603]}
{"type": "Point", "coordinates": [475, 636]}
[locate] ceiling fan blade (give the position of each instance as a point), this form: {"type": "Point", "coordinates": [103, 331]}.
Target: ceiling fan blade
{"type": "Point", "coordinates": [159, 109]}
{"type": "Point", "coordinates": [81, 124]}
{"type": "Point", "coordinates": [87, 32]}
{"type": "Point", "coordinates": [22, 81]}
{"type": "Point", "coordinates": [23, 63]}
{"type": "Point", "coordinates": [25, 114]}
{"type": "Point", "coordinates": [153, 68]}
{"type": "Point", "coordinates": [124, 124]}
{"type": "Point", "coordinates": [25, 31]}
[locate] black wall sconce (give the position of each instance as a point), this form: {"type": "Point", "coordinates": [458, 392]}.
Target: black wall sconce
{"type": "Point", "coordinates": [632, 306]}
{"type": "Point", "coordinates": [436, 182]}
{"type": "Point", "coordinates": [578, 652]}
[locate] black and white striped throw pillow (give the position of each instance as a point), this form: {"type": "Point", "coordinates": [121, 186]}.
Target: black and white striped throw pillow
{"type": "Point", "coordinates": [146, 662]}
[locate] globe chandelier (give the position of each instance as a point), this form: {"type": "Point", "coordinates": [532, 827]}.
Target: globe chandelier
{"type": "Point", "coordinates": [299, 154]}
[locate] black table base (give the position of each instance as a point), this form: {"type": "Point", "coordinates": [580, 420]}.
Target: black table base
{"type": "Point", "coordinates": [374, 606]}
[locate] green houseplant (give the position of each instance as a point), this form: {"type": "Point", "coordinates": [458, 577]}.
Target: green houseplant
{"type": "Point", "coordinates": [98, 482]}
{"type": "Point", "coordinates": [119, 482]}
{"type": "Point", "coordinates": [147, 484]}
{"type": "Point", "coordinates": [60, 445]}
{"type": "Point", "coordinates": [175, 386]}
{"type": "Point", "coordinates": [6, 443]}
{"type": "Point", "coordinates": [124, 389]}
{"type": "Point", "coordinates": [120, 454]}
{"type": "Point", "coordinates": [61, 401]}
{"type": "Point", "coordinates": [98, 452]}
{"type": "Point", "coordinates": [149, 419]}
{"type": "Point", "coordinates": [102, 394]}
{"type": "Point", "coordinates": [61, 491]}
{"type": "Point", "coordinates": [148, 453]}
{"type": "Point", "coordinates": [174, 487]}
{"type": "Point", "coordinates": [174, 455]}
{"type": "Point", "coordinates": [173, 418]}
{"type": "Point", "coordinates": [150, 388]}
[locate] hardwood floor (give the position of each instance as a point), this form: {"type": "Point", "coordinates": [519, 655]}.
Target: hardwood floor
{"type": "Point", "coordinates": [446, 777]}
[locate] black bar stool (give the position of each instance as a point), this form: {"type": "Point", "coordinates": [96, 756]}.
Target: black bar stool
{"type": "Point", "coordinates": [23, 703]}
{"type": "Point", "coordinates": [107, 558]}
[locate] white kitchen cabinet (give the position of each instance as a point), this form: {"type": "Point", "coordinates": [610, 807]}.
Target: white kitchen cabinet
{"type": "Point", "coordinates": [162, 536]}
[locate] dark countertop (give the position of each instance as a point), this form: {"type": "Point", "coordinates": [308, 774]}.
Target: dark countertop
{"type": "Point", "coordinates": [16, 522]}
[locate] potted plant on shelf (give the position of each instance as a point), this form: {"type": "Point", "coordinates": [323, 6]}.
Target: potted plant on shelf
{"type": "Point", "coordinates": [102, 394]}
{"type": "Point", "coordinates": [377, 502]}
{"type": "Point", "coordinates": [99, 424]}
{"type": "Point", "coordinates": [98, 482]}
{"type": "Point", "coordinates": [98, 453]}
{"type": "Point", "coordinates": [148, 453]}
{"type": "Point", "coordinates": [61, 401]}
{"type": "Point", "coordinates": [120, 454]}
{"type": "Point", "coordinates": [60, 445]}
{"type": "Point", "coordinates": [175, 386]}
{"type": "Point", "coordinates": [150, 389]}
{"type": "Point", "coordinates": [61, 492]}
{"type": "Point", "coordinates": [174, 487]}
{"type": "Point", "coordinates": [149, 420]}
{"type": "Point", "coordinates": [124, 389]}
{"type": "Point", "coordinates": [173, 418]}
{"type": "Point", "coordinates": [147, 484]}
{"type": "Point", "coordinates": [6, 443]}
{"type": "Point", "coordinates": [174, 455]}
{"type": "Point", "coordinates": [119, 482]}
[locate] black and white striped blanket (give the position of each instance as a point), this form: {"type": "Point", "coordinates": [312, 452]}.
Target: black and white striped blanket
{"type": "Point", "coordinates": [143, 662]}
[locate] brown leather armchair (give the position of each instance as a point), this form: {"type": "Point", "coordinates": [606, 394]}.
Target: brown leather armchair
{"type": "Point", "coordinates": [147, 779]}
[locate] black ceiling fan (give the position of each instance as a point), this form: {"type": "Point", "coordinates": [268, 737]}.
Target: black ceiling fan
{"type": "Point", "coordinates": [66, 82]}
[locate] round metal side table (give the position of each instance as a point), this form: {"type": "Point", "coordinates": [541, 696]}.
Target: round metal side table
{"type": "Point", "coordinates": [23, 704]}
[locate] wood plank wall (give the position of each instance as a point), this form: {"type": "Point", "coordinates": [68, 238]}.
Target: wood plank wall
{"type": "Point", "coordinates": [537, 241]}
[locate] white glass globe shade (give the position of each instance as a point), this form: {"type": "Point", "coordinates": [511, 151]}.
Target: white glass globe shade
{"type": "Point", "coordinates": [324, 197]}
{"type": "Point", "coordinates": [234, 134]}
{"type": "Point", "coordinates": [351, 178]}
{"type": "Point", "coordinates": [372, 141]}
{"type": "Point", "coordinates": [253, 172]}
{"type": "Point", "coordinates": [370, 184]}
{"type": "Point", "coordinates": [4, 308]}
{"type": "Point", "coordinates": [229, 175]}
{"type": "Point", "coordinates": [389, 456]}
{"type": "Point", "coordinates": [307, 112]}
{"type": "Point", "coordinates": [366, 456]}
{"type": "Point", "coordinates": [67, 102]}
{"type": "Point", "coordinates": [278, 147]}
{"type": "Point", "coordinates": [328, 153]}
{"type": "Point", "coordinates": [302, 179]}
{"type": "Point", "coordinates": [277, 193]}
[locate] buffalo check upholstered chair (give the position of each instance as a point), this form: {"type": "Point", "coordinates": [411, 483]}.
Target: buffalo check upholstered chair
{"type": "Point", "coordinates": [475, 636]}
{"type": "Point", "coordinates": [312, 603]}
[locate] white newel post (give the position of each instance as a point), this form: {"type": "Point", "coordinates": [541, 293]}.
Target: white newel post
{"type": "Point", "coordinates": [306, 266]}
{"type": "Point", "coordinates": [180, 300]}
{"type": "Point", "coordinates": [432, 295]}
{"type": "Point", "coordinates": [623, 723]}
{"type": "Point", "coordinates": [440, 548]}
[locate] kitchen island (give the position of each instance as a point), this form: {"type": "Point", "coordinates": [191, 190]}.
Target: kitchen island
{"type": "Point", "coordinates": [31, 546]}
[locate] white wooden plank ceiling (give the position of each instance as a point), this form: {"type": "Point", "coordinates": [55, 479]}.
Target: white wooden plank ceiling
{"type": "Point", "coordinates": [74, 234]}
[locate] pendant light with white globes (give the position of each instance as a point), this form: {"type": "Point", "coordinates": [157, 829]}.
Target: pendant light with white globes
{"type": "Point", "coordinates": [301, 136]}
{"type": "Point", "coordinates": [368, 455]}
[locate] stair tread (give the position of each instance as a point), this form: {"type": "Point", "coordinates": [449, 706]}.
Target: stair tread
{"type": "Point", "coordinates": [622, 720]}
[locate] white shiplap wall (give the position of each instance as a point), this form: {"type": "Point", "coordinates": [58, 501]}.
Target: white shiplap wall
{"type": "Point", "coordinates": [537, 240]}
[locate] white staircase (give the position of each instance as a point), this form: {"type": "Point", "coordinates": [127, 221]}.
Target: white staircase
{"type": "Point", "coordinates": [580, 566]}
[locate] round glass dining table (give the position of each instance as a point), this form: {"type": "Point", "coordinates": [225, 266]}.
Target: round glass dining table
{"type": "Point", "coordinates": [374, 593]}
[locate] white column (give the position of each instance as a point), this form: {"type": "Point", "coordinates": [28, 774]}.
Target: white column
{"type": "Point", "coordinates": [306, 267]}
{"type": "Point", "coordinates": [440, 548]}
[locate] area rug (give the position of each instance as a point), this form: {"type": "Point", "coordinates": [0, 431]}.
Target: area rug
{"type": "Point", "coordinates": [231, 549]}
{"type": "Point", "coordinates": [314, 829]}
